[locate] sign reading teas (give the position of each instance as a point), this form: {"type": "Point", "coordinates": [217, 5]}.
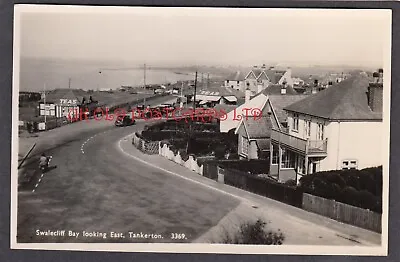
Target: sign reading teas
{"type": "Point", "coordinates": [68, 101]}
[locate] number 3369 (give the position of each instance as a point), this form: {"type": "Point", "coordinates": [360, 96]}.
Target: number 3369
{"type": "Point", "coordinates": [177, 236]}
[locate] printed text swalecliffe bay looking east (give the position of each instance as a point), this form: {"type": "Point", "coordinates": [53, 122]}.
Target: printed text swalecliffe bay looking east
{"type": "Point", "coordinates": [107, 235]}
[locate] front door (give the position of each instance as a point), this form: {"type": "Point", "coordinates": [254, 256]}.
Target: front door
{"type": "Point", "coordinates": [312, 167]}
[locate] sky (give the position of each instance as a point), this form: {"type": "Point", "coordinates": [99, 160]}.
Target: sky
{"type": "Point", "coordinates": [218, 36]}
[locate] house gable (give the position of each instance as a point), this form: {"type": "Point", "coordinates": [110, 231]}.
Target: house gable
{"type": "Point", "coordinates": [250, 75]}
{"type": "Point", "coordinates": [263, 76]}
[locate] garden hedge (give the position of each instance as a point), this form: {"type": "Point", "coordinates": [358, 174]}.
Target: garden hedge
{"type": "Point", "coordinates": [361, 188]}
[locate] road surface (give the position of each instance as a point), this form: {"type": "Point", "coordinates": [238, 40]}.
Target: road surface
{"type": "Point", "coordinates": [101, 189]}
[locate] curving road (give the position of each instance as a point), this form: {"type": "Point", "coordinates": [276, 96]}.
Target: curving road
{"type": "Point", "coordinates": [96, 188]}
{"type": "Point", "coordinates": [97, 193]}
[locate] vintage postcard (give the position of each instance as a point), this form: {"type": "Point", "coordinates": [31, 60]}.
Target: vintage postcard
{"type": "Point", "coordinates": [201, 130]}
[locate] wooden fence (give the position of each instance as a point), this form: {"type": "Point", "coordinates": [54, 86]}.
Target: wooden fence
{"type": "Point", "coordinates": [342, 212]}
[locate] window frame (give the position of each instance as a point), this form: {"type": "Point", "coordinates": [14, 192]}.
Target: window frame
{"type": "Point", "coordinates": [275, 155]}
{"type": "Point", "coordinates": [244, 146]}
{"type": "Point", "coordinates": [307, 129]}
{"type": "Point", "coordinates": [349, 164]}
{"type": "Point", "coordinates": [289, 159]}
{"type": "Point", "coordinates": [320, 131]}
{"type": "Point", "coordinates": [295, 123]}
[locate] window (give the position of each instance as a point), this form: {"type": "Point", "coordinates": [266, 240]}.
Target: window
{"type": "Point", "coordinates": [307, 131]}
{"type": "Point", "coordinates": [227, 81]}
{"type": "Point", "coordinates": [275, 155]}
{"type": "Point", "coordinates": [296, 122]}
{"type": "Point", "coordinates": [245, 145]}
{"type": "Point", "coordinates": [288, 159]}
{"type": "Point", "coordinates": [320, 132]}
{"type": "Point", "coordinates": [349, 164]}
{"type": "Point", "coordinates": [237, 82]}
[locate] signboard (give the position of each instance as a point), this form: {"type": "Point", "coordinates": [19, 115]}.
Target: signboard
{"type": "Point", "coordinates": [68, 101]}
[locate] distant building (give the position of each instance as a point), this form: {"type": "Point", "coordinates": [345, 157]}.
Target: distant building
{"type": "Point", "coordinates": [260, 78]}
{"type": "Point", "coordinates": [236, 81]}
{"type": "Point", "coordinates": [338, 128]}
{"type": "Point", "coordinates": [63, 102]}
{"type": "Point", "coordinates": [217, 95]}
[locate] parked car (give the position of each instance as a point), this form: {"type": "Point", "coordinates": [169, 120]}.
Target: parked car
{"type": "Point", "coordinates": [124, 121]}
{"type": "Point", "coordinates": [159, 91]}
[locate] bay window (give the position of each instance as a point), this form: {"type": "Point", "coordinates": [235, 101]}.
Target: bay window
{"type": "Point", "coordinates": [288, 159]}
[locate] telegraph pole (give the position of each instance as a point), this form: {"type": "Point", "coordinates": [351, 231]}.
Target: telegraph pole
{"type": "Point", "coordinates": [45, 109]}
{"type": "Point", "coordinates": [194, 96]}
{"type": "Point", "coordinates": [144, 80]}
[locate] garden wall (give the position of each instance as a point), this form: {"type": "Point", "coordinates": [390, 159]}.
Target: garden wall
{"type": "Point", "coordinates": [190, 162]}
{"type": "Point", "coordinates": [148, 147]}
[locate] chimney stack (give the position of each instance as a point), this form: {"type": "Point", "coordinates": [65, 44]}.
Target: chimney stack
{"type": "Point", "coordinates": [375, 92]}
{"type": "Point", "coordinates": [283, 88]}
{"type": "Point", "coordinates": [247, 95]}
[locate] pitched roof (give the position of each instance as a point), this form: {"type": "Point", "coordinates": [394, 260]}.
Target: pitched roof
{"type": "Point", "coordinates": [276, 90]}
{"type": "Point", "coordinates": [279, 102]}
{"type": "Point", "coordinates": [57, 94]}
{"type": "Point", "coordinates": [258, 127]}
{"type": "Point", "coordinates": [237, 76]}
{"type": "Point", "coordinates": [345, 101]}
{"type": "Point", "coordinates": [225, 108]}
{"type": "Point", "coordinates": [263, 144]}
{"type": "Point", "coordinates": [274, 76]}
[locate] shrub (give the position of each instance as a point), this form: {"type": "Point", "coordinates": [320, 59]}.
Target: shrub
{"type": "Point", "coordinates": [348, 195]}
{"type": "Point", "coordinates": [254, 234]}
{"type": "Point", "coordinates": [291, 182]}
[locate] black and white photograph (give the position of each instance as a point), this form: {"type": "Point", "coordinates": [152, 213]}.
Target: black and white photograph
{"type": "Point", "coordinates": [201, 130]}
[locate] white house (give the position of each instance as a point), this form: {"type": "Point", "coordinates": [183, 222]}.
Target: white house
{"type": "Point", "coordinates": [236, 81]}
{"type": "Point", "coordinates": [338, 128]}
{"type": "Point", "coordinates": [260, 78]}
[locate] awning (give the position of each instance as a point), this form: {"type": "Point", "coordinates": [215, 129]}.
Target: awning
{"type": "Point", "coordinates": [203, 102]}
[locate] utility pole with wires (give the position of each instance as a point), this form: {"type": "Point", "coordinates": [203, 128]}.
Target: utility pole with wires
{"type": "Point", "coordinates": [45, 108]}
{"type": "Point", "coordinates": [194, 95]}
{"type": "Point", "coordinates": [193, 115]}
{"type": "Point", "coordinates": [144, 81]}
{"type": "Point", "coordinates": [181, 99]}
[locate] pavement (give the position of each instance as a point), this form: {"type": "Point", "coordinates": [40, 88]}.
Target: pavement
{"type": "Point", "coordinates": [299, 226]}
